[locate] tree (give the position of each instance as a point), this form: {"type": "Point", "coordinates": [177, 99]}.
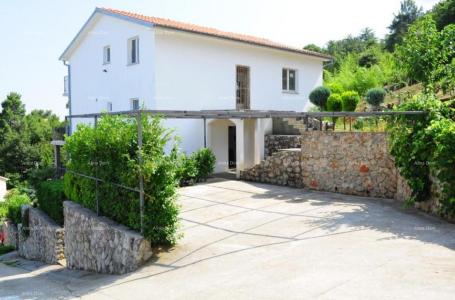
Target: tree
{"type": "Point", "coordinates": [427, 55]}
{"type": "Point", "coordinates": [24, 139]}
{"type": "Point", "coordinates": [444, 13]}
{"type": "Point", "coordinates": [319, 97]}
{"type": "Point", "coordinates": [375, 97]}
{"type": "Point", "coordinates": [314, 48]}
{"type": "Point", "coordinates": [13, 112]}
{"type": "Point", "coordinates": [409, 12]}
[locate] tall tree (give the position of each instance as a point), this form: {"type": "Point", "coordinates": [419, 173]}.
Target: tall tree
{"type": "Point", "coordinates": [444, 13]}
{"type": "Point", "coordinates": [13, 112]}
{"type": "Point", "coordinates": [409, 12]}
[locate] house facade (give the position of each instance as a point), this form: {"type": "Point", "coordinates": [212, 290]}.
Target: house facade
{"type": "Point", "coordinates": [121, 61]}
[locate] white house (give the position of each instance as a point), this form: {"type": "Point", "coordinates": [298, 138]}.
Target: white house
{"type": "Point", "coordinates": [120, 61]}
{"type": "Point", "coordinates": [3, 190]}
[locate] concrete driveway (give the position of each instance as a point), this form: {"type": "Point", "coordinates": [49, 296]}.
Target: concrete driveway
{"type": "Point", "coordinates": [248, 240]}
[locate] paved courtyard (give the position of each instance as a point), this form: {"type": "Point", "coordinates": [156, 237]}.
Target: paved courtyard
{"type": "Point", "coordinates": [248, 240]}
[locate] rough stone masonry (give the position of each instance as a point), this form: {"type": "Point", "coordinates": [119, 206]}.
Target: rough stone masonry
{"type": "Point", "coordinates": [45, 240]}
{"type": "Point", "coordinates": [99, 244]}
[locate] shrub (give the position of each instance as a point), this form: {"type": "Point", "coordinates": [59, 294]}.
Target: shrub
{"type": "Point", "coordinates": [375, 96]}
{"type": "Point", "coordinates": [349, 100]}
{"type": "Point", "coordinates": [36, 176]}
{"type": "Point", "coordinates": [335, 88]}
{"type": "Point", "coordinates": [424, 145]}
{"type": "Point", "coordinates": [319, 96]}
{"type": "Point", "coordinates": [50, 195]}
{"type": "Point", "coordinates": [187, 170]}
{"type": "Point", "coordinates": [334, 103]}
{"type": "Point", "coordinates": [204, 160]}
{"type": "Point", "coordinates": [12, 205]}
{"type": "Point", "coordinates": [110, 152]}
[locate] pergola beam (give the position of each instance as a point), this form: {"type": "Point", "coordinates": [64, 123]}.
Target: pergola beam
{"type": "Point", "coordinates": [247, 114]}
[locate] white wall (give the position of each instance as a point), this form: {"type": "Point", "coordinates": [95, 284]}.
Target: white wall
{"type": "Point", "coordinates": [198, 72]}
{"type": "Point", "coordinates": [195, 72]}
{"type": "Point", "coordinates": [91, 88]}
{"type": "Point", "coordinates": [2, 188]}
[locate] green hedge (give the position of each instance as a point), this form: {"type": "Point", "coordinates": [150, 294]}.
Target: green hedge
{"type": "Point", "coordinates": [11, 207]}
{"type": "Point", "coordinates": [50, 195]}
{"type": "Point", "coordinates": [110, 152]}
{"type": "Point", "coordinates": [196, 167]}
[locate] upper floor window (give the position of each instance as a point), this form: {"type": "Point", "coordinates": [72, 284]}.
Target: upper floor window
{"type": "Point", "coordinates": [109, 106]}
{"type": "Point", "coordinates": [133, 51]}
{"type": "Point", "coordinates": [289, 80]}
{"type": "Point", "coordinates": [135, 104]}
{"type": "Point", "coordinates": [107, 55]}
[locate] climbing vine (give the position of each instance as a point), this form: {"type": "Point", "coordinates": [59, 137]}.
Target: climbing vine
{"type": "Point", "coordinates": [424, 145]}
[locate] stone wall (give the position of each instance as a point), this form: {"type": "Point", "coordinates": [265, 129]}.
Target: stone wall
{"type": "Point", "coordinates": [45, 238]}
{"type": "Point", "coordinates": [356, 163]}
{"type": "Point", "coordinates": [99, 244]}
{"type": "Point", "coordinates": [10, 233]}
{"type": "Point", "coordinates": [283, 168]}
{"type": "Point", "coordinates": [273, 143]}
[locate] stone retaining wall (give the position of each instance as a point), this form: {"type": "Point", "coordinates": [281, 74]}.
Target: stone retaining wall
{"type": "Point", "coordinates": [45, 240]}
{"type": "Point", "coordinates": [99, 244]}
{"type": "Point", "coordinates": [356, 163]}
{"type": "Point", "coordinates": [273, 143]}
{"type": "Point", "coordinates": [10, 233]}
{"type": "Point", "coordinates": [283, 168]}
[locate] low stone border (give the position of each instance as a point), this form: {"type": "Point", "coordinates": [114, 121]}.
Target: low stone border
{"type": "Point", "coordinates": [42, 239]}
{"type": "Point", "coordinates": [99, 244]}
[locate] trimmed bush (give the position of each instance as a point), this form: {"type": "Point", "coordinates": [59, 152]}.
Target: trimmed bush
{"type": "Point", "coordinates": [375, 96]}
{"type": "Point", "coordinates": [349, 99]}
{"type": "Point", "coordinates": [11, 207]}
{"type": "Point", "coordinates": [334, 103]}
{"type": "Point", "coordinates": [319, 96]}
{"type": "Point", "coordinates": [187, 170]}
{"type": "Point", "coordinates": [204, 160]}
{"type": "Point", "coordinates": [50, 195]}
{"type": "Point", "coordinates": [335, 88]}
{"type": "Point", "coordinates": [110, 152]}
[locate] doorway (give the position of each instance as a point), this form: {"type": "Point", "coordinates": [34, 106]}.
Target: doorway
{"type": "Point", "coordinates": [243, 88]}
{"type": "Point", "coordinates": [232, 148]}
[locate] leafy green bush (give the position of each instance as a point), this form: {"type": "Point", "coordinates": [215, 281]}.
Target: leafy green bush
{"type": "Point", "coordinates": [204, 160]}
{"type": "Point", "coordinates": [375, 96]}
{"type": "Point", "coordinates": [349, 99]}
{"type": "Point", "coordinates": [187, 170]}
{"type": "Point", "coordinates": [334, 103]}
{"type": "Point", "coordinates": [110, 152]}
{"type": "Point", "coordinates": [6, 248]}
{"type": "Point", "coordinates": [38, 175]}
{"type": "Point", "coordinates": [11, 207]}
{"type": "Point", "coordinates": [424, 145]}
{"type": "Point", "coordinates": [319, 96]}
{"type": "Point", "coordinates": [50, 195]}
{"type": "Point", "coordinates": [335, 88]}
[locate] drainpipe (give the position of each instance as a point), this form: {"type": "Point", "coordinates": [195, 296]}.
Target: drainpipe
{"type": "Point", "coordinates": [70, 127]}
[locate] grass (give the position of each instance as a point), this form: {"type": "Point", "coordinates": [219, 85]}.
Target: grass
{"type": "Point", "coordinates": [6, 248]}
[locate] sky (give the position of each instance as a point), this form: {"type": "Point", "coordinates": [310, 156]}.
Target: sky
{"type": "Point", "coordinates": [34, 33]}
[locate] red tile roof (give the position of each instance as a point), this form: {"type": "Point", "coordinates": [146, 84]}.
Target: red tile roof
{"type": "Point", "coordinates": [171, 24]}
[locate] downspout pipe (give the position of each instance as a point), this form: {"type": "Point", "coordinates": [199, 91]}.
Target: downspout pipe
{"type": "Point", "coordinates": [70, 127]}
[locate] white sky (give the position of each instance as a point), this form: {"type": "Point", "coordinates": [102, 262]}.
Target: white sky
{"type": "Point", "coordinates": [35, 32]}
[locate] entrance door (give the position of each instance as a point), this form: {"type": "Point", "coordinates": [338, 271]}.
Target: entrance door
{"type": "Point", "coordinates": [243, 87]}
{"type": "Point", "coordinates": [232, 148]}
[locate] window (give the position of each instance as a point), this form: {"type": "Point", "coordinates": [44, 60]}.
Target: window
{"type": "Point", "coordinates": [133, 51]}
{"type": "Point", "coordinates": [107, 55]}
{"type": "Point", "coordinates": [289, 80]}
{"type": "Point", "coordinates": [109, 106]}
{"type": "Point", "coordinates": [135, 104]}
